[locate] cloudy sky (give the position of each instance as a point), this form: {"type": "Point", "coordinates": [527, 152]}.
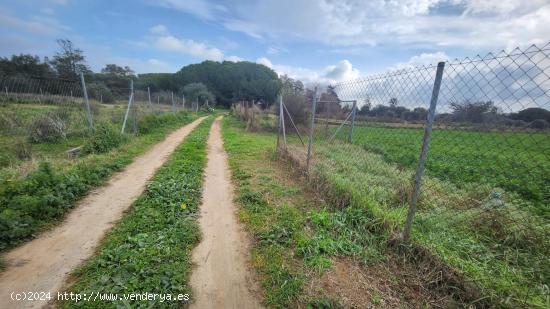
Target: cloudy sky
{"type": "Point", "coordinates": [313, 40]}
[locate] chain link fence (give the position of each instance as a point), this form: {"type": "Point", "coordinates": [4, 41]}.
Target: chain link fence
{"type": "Point", "coordinates": [52, 118]}
{"type": "Point", "coordinates": [453, 157]}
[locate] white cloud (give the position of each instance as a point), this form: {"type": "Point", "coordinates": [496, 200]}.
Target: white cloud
{"type": "Point", "coordinates": [189, 47]}
{"type": "Point", "coordinates": [234, 59]}
{"type": "Point", "coordinates": [159, 29]}
{"type": "Point", "coordinates": [458, 23]}
{"type": "Point", "coordinates": [423, 59]}
{"type": "Point", "coordinates": [35, 25]}
{"type": "Point", "coordinates": [341, 71]}
{"type": "Point", "coordinates": [265, 61]}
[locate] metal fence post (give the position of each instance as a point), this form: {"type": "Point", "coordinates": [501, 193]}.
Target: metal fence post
{"type": "Point", "coordinates": [86, 101]}
{"type": "Point", "coordinates": [312, 127]}
{"type": "Point", "coordinates": [280, 127]}
{"type": "Point", "coordinates": [130, 99]}
{"type": "Point", "coordinates": [149, 98]}
{"type": "Point", "coordinates": [423, 152]}
{"type": "Point", "coordinates": [173, 104]}
{"type": "Point", "coordinates": [353, 111]}
{"type": "Point", "coordinates": [183, 101]}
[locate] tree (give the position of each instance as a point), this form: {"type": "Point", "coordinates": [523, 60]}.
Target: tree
{"type": "Point", "coordinates": [199, 92]}
{"type": "Point", "coordinates": [115, 70]}
{"type": "Point", "coordinates": [473, 112]}
{"type": "Point", "coordinates": [25, 65]}
{"type": "Point", "coordinates": [69, 61]}
{"type": "Point", "coordinates": [293, 86]}
{"type": "Point", "coordinates": [531, 114]}
{"type": "Point", "coordinates": [230, 81]}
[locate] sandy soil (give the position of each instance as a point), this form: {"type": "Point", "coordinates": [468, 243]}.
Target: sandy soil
{"type": "Point", "coordinates": [44, 263]}
{"type": "Point", "coordinates": [222, 277]}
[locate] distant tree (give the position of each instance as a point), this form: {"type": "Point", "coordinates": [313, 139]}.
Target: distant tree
{"type": "Point", "coordinates": [199, 92]}
{"type": "Point", "coordinates": [474, 112]}
{"type": "Point", "coordinates": [531, 114]}
{"type": "Point", "coordinates": [393, 102]}
{"type": "Point", "coordinates": [69, 61]}
{"type": "Point", "coordinates": [113, 69]}
{"type": "Point", "coordinates": [230, 81]}
{"type": "Point", "coordinates": [25, 65]}
{"type": "Point", "coordinates": [291, 85]}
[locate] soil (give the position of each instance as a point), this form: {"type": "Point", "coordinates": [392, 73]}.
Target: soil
{"type": "Point", "coordinates": [222, 277]}
{"type": "Point", "coordinates": [44, 263]}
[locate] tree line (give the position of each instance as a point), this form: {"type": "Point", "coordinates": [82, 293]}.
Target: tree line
{"type": "Point", "coordinates": [218, 82]}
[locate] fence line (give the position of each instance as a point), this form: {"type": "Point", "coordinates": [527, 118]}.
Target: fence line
{"type": "Point", "coordinates": [485, 191]}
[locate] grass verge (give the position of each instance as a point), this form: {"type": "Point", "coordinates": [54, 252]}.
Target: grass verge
{"type": "Point", "coordinates": [149, 251]}
{"type": "Point", "coordinates": [33, 202]}
{"type": "Point", "coordinates": [310, 254]}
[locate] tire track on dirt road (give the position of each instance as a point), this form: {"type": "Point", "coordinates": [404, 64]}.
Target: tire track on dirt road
{"type": "Point", "coordinates": [44, 263]}
{"type": "Point", "coordinates": [221, 278]}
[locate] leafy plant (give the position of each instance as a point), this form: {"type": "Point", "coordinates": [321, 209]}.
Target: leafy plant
{"type": "Point", "coordinates": [104, 138]}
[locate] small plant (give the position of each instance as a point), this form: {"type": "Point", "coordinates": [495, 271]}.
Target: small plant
{"type": "Point", "coordinates": [49, 128]}
{"type": "Point", "coordinates": [104, 138]}
{"type": "Point", "coordinates": [22, 150]}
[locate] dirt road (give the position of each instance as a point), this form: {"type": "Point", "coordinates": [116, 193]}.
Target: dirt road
{"type": "Point", "coordinates": [44, 263]}
{"type": "Point", "coordinates": [221, 278]}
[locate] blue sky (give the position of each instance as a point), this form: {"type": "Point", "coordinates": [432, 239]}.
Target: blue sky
{"type": "Point", "coordinates": [316, 41]}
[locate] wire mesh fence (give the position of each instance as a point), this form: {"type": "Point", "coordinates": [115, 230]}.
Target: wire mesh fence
{"type": "Point", "coordinates": [45, 117]}
{"type": "Point", "coordinates": [459, 150]}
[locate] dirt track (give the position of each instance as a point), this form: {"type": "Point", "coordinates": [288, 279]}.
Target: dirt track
{"type": "Point", "coordinates": [44, 263]}
{"type": "Point", "coordinates": [221, 278]}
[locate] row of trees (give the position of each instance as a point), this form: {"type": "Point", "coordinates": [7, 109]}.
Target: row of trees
{"type": "Point", "coordinates": [223, 82]}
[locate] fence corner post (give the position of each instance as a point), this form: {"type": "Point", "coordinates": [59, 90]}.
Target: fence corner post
{"type": "Point", "coordinates": [423, 153]}
{"type": "Point", "coordinates": [86, 101]}
{"type": "Point", "coordinates": [310, 139]}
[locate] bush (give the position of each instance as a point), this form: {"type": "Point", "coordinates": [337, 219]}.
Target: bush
{"type": "Point", "coordinates": [151, 121]}
{"type": "Point", "coordinates": [22, 150]}
{"type": "Point", "coordinates": [539, 124]}
{"type": "Point", "coordinates": [298, 107]}
{"type": "Point", "coordinates": [48, 128]}
{"type": "Point", "coordinates": [104, 138]}
{"type": "Point", "coordinates": [100, 92]}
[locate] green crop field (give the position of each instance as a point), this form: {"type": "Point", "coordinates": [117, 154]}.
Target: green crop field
{"type": "Point", "coordinates": [515, 162]}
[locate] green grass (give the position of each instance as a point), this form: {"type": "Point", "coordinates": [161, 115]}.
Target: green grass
{"type": "Point", "coordinates": [304, 235]}
{"type": "Point", "coordinates": [514, 161]}
{"type": "Point", "coordinates": [34, 201]}
{"type": "Point", "coordinates": [150, 249]}
{"type": "Point", "coordinates": [488, 234]}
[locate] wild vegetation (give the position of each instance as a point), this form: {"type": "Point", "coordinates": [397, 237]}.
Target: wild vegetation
{"type": "Point", "coordinates": [306, 256]}
{"type": "Point", "coordinates": [34, 199]}
{"type": "Point", "coordinates": [150, 249]}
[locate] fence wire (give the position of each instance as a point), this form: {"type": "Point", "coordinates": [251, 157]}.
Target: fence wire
{"type": "Point", "coordinates": [484, 195]}
{"type": "Point", "coordinates": [48, 117]}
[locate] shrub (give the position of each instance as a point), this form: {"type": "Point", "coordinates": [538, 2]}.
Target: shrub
{"type": "Point", "coordinates": [104, 138]}
{"type": "Point", "coordinates": [539, 124]}
{"type": "Point", "coordinates": [298, 107]}
{"type": "Point", "coordinates": [48, 128]}
{"type": "Point", "coordinates": [22, 150]}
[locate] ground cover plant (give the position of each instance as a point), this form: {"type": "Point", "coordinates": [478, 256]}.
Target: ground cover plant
{"type": "Point", "coordinates": [313, 254]}
{"type": "Point", "coordinates": [471, 227]}
{"type": "Point", "coordinates": [150, 249]}
{"type": "Point", "coordinates": [514, 161]}
{"type": "Point", "coordinates": [39, 198]}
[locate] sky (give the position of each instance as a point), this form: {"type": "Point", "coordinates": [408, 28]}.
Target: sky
{"type": "Point", "coordinates": [322, 41]}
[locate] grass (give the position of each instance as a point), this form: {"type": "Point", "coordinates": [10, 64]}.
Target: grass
{"type": "Point", "coordinates": [488, 234]}
{"type": "Point", "coordinates": [150, 249]}
{"type": "Point", "coordinates": [307, 238]}
{"type": "Point", "coordinates": [514, 161]}
{"type": "Point", "coordinates": [32, 201]}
